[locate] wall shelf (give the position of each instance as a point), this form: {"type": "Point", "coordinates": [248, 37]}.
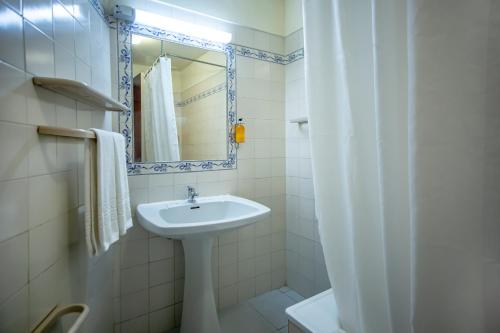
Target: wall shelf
{"type": "Point", "coordinates": [299, 120]}
{"type": "Point", "coordinates": [79, 91]}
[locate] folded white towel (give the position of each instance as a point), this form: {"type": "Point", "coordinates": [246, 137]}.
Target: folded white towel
{"type": "Point", "coordinates": [107, 200]}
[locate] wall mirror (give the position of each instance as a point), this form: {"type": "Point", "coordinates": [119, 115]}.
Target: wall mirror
{"type": "Point", "coordinates": [181, 92]}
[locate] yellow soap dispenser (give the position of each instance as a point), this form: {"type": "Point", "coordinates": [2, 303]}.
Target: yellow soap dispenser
{"type": "Point", "coordinates": [239, 131]}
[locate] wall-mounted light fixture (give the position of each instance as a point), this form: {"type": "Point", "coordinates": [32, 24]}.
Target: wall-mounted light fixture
{"type": "Point", "coordinates": [175, 25]}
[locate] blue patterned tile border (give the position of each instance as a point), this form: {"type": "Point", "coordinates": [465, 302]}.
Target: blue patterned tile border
{"type": "Point", "coordinates": [126, 121]}
{"type": "Point", "coordinates": [269, 56]}
{"type": "Point", "coordinates": [202, 95]}
{"type": "Point", "coordinates": [99, 9]}
{"type": "Point", "coordinates": [294, 56]}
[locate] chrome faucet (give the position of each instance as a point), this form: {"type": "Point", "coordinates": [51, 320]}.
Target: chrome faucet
{"type": "Point", "coordinates": [191, 194]}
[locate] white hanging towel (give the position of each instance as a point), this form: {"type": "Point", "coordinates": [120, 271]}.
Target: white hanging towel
{"type": "Point", "coordinates": [107, 200]}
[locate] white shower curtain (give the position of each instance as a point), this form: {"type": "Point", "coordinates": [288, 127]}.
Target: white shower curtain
{"type": "Point", "coordinates": [404, 106]}
{"type": "Point", "coordinates": [158, 123]}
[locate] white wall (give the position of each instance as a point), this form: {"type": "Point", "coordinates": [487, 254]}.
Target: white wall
{"type": "Point", "coordinates": [293, 16]}
{"type": "Point", "coordinates": [43, 257]}
{"type": "Point", "coordinates": [279, 17]}
{"type": "Point", "coordinates": [204, 122]}
{"type": "Point", "coordinates": [264, 15]}
{"type": "Point", "coordinates": [246, 262]}
{"type": "Point", "coordinates": [306, 271]}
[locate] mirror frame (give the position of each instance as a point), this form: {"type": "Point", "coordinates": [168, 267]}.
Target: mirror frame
{"type": "Point", "coordinates": [126, 119]}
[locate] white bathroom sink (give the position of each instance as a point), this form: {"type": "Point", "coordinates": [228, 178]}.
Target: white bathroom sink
{"type": "Point", "coordinates": [197, 223]}
{"type": "Point", "coordinates": [207, 216]}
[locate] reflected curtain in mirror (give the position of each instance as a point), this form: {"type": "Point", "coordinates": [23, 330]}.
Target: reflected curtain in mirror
{"type": "Point", "coordinates": [159, 139]}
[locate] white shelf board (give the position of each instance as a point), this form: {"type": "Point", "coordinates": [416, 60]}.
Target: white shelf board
{"type": "Point", "coordinates": [79, 91]}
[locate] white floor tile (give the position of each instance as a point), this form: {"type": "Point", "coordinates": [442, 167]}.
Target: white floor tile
{"type": "Point", "coordinates": [243, 319]}
{"type": "Point", "coordinates": [272, 306]}
{"type": "Point", "coordinates": [262, 314]}
{"type": "Point", "coordinates": [294, 295]}
{"type": "Point", "coordinates": [284, 289]}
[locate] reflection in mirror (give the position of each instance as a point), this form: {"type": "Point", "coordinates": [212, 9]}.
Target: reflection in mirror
{"type": "Point", "coordinates": [179, 102]}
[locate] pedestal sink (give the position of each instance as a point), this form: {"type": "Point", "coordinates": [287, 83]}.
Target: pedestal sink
{"type": "Point", "coordinates": [196, 224]}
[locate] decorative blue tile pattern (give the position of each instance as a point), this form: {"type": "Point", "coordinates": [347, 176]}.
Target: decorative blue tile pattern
{"type": "Point", "coordinates": [99, 9]}
{"type": "Point", "coordinates": [294, 56]}
{"type": "Point", "coordinates": [269, 56]}
{"type": "Point", "coordinates": [202, 95]}
{"type": "Point", "coordinates": [125, 31]}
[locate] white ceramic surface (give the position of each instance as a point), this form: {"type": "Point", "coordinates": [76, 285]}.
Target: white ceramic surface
{"type": "Point", "coordinates": [196, 224]}
{"type": "Point", "coordinates": [207, 217]}
{"type": "Point", "coordinates": [316, 314]}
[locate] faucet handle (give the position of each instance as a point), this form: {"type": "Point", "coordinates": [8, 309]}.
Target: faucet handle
{"type": "Point", "coordinates": [191, 194]}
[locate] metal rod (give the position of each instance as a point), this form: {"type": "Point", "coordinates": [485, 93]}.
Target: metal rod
{"type": "Point", "coordinates": [180, 57]}
{"type": "Point", "coordinates": [196, 60]}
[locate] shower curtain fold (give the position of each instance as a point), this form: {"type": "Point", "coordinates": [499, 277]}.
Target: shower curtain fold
{"type": "Point", "coordinates": [405, 144]}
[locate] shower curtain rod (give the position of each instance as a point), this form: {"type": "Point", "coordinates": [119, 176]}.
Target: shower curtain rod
{"type": "Point", "coordinates": [180, 57]}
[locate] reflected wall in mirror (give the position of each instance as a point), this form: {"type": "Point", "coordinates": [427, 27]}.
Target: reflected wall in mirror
{"type": "Point", "coordinates": [179, 101]}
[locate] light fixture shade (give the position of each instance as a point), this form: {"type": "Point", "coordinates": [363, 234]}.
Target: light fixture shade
{"type": "Point", "coordinates": [171, 24]}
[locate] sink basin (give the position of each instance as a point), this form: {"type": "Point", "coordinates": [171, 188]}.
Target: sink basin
{"type": "Point", "coordinates": [208, 216]}
{"type": "Point", "coordinates": [196, 224]}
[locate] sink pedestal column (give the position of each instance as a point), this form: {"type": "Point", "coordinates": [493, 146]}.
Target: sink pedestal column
{"type": "Point", "coordinates": [199, 312]}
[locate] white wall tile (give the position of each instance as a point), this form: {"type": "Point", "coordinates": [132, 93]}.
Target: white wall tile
{"type": "Point", "coordinates": [46, 242]}
{"type": "Point", "coordinates": [31, 167]}
{"type": "Point", "coordinates": [82, 47]}
{"type": "Point", "coordinates": [305, 265]}
{"type": "Point", "coordinates": [15, 4]}
{"type": "Point", "coordinates": [161, 271]}
{"type": "Point", "coordinates": [82, 11]}
{"type": "Point", "coordinates": [64, 63]}
{"type": "Point", "coordinates": [83, 73]}
{"type": "Point", "coordinates": [246, 249]}
{"type": "Point", "coordinates": [161, 296]}
{"type": "Point", "coordinates": [134, 252]}
{"type": "Point", "coordinates": [228, 275]}
{"type": "Point", "coordinates": [14, 147]}
{"type": "Point", "coordinates": [64, 27]}
{"type": "Point", "coordinates": [161, 320]}
{"type": "Point", "coordinates": [12, 98]}
{"type": "Point", "coordinates": [160, 248]}
{"type": "Point", "coordinates": [40, 103]}
{"type": "Point", "coordinates": [263, 264]}
{"type": "Point", "coordinates": [14, 263]}
{"type": "Point", "coordinates": [134, 304]}
{"type": "Point", "coordinates": [14, 313]}
{"type": "Point", "coordinates": [39, 12]}
{"type": "Point", "coordinates": [13, 208]}
{"type": "Point", "coordinates": [133, 279]}
{"type": "Point", "coordinates": [43, 155]}
{"type": "Point", "coordinates": [39, 52]}
{"type": "Point", "coordinates": [138, 324]}
{"type": "Point", "coordinates": [228, 254]}
{"type": "Point", "coordinates": [42, 207]}
{"type": "Point", "coordinates": [47, 289]}
{"type": "Point", "coordinates": [246, 289]}
{"type": "Point", "coordinates": [11, 34]}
